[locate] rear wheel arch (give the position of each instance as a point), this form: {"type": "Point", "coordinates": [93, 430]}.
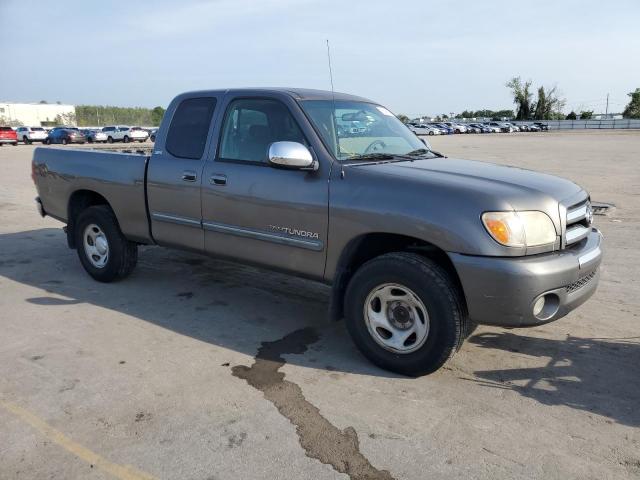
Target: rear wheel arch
{"type": "Point", "coordinates": [371, 245]}
{"type": "Point", "coordinates": [79, 201]}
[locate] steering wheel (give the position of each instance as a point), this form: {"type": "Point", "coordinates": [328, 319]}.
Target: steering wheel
{"type": "Point", "coordinates": [372, 146]}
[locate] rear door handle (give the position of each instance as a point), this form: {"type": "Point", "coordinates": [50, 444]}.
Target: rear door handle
{"type": "Point", "coordinates": [218, 180]}
{"type": "Point", "coordinates": [189, 176]}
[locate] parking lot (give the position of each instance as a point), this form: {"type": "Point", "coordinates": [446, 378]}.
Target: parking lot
{"type": "Point", "coordinates": [194, 368]}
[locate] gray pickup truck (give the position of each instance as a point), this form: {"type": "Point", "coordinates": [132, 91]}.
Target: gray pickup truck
{"type": "Point", "coordinates": [419, 248]}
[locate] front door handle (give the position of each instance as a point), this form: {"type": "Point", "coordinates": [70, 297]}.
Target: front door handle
{"type": "Point", "coordinates": [189, 176]}
{"type": "Point", "coordinates": [218, 180]}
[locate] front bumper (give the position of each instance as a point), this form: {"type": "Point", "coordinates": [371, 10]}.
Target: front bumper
{"type": "Point", "coordinates": [503, 291]}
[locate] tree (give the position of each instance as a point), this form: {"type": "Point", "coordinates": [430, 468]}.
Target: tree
{"type": "Point", "coordinates": [633, 109]}
{"type": "Point", "coordinates": [586, 115]}
{"type": "Point", "coordinates": [572, 116]}
{"type": "Point", "coordinates": [541, 103]}
{"type": "Point", "coordinates": [401, 117]}
{"type": "Point", "coordinates": [521, 97]}
{"type": "Point", "coordinates": [158, 112]}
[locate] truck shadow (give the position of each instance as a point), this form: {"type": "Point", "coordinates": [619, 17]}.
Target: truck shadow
{"type": "Point", "coordinates": [598, 375]}
{"type": "Point", "coordinates": [229, 305]}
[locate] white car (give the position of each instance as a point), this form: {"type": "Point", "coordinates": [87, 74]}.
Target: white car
{"type": "Point", "coordinates": [424, 130]}
{"type": "Point", "coordinates": [125, 134]}
{"type": "Point", "coordinates": [31, 134]}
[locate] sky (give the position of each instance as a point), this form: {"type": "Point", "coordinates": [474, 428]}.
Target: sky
{"type": "Point", "coordinates": [415, 57]}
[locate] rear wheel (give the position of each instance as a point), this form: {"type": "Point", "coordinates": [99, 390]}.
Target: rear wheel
{"type": "Point", "coordinates": [125, 139]}
{"type": "Point", "coordinates": [26, 141]}
{"type": "Point", "coordinates": [15, 144]}
{"type": "Point", "coordinates": [65, 141]}
{"type": "Point", "coordinates": [405, 314]}
{"type": "Point", "coordinates": [47, 141]}
{"type": "Point", "coordinates": [110, 139]}
{"type": "Point", "coordinates": [104, 251]}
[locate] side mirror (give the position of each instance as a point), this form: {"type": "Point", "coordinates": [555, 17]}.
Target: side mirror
{"type": "Point", "coordinates": [291, 155]}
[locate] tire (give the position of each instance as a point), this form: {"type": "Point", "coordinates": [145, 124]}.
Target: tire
{"type": "Point", "coordinates": [15, 144]}
{"type": "Point", "coordinates": [26, 141]}
{"type": "Point", "coordinates": [125, 139]}
{"type": "Point", "coordinates": [431, 133]}
{"type": "Point", "coordinates": [65, 141]}
{"type": "Point", "coordinates": [47, 141]}
{"type": "Point", "coordinates": [90, 140]}
{"type": "Point", "coordinates": [121, 254]}
{"type": "Point", "coordinates": [445, 315]}
{"type": "Point", "coordinates": [110, 140]}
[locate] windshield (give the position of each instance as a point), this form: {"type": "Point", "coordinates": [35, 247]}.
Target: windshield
{"type": "Point", "coordinates": [356, 129]}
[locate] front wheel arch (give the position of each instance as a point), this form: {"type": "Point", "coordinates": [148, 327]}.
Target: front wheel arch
{"type": "Point", "coordinates": [368, 246]}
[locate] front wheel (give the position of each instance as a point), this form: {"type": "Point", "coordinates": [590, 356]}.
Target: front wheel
{"type": "Point", "coordinates": [65, 141]}
{"type": "Point", "coordinates": [405, 313]}
{"type": "Point", "coordinates": [110, 140]}
{"type": "Point", "coordinates": [105, 253]}
{"type": "Point", "coordinates": [125, 139]}
{"type": "Point", "coordinates": [26, 141]}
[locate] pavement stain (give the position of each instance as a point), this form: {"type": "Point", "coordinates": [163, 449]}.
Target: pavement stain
{"type": "Point", "coordinates": [319, 438]}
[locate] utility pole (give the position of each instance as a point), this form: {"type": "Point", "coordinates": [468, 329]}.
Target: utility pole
{"type": "Point", "coordinates": [606, 113]}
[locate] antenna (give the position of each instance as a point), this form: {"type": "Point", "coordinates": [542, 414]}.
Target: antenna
{"type": "Point", "coordinates": [330, 71]}
{"type": "Point", "coordinates": [333, 112]}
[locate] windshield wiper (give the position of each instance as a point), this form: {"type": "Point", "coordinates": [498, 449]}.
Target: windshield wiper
{"type": "Point", "coordinates": [372, 156]}
{"type": "Point", "coordinates": [422, 151]}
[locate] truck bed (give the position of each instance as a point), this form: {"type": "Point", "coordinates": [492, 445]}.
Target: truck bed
{"type": "Point", "coordinates": [118, 177]}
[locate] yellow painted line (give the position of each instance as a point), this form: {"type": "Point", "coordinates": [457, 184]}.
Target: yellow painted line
{"type": "Point", "coordinates": [123, 472]}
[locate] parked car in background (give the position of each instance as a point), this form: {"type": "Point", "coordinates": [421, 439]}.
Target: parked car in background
{"type": "Point", "coordinates": [424, 129]}
{"type": "Point", "coordinates": [473, 129]}
{"type": "Point", "coordinates": [502, 127]}
{"type": "Point", "coordinates": [139, 134]}
{"type": "Point", "coordinates": [493, 127]}
{"type": "Point", "coordinates": [152, 134]}
{"type": "Point", "coordinates": [445, 129]}
{"type": "Point", "coordinates": [94, 136]}
{"type": "Point", "coordinates": [125, 134]}
{"type": "Point", "coordinates": [456, 127]}
{"type": "Point", "coordinates": [515, 128]}
{"type": "Point", "coordinates": [31, 134]}
{"type": "Point", "coordinates": [8, 135]}
{"type": "Point", "coordinates": [542, 126]}
{"type": "Point", "coordinates": [534, 128]}
{"type": "Point", "coordinates": [65, 136]}
{"type": "Point", "coordinates": [480, 127]}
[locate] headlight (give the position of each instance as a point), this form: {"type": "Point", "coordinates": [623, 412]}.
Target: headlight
{"type": "Point", "coordinates": [520, 229]}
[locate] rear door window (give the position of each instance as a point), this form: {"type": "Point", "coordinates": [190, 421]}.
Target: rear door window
{"type": "Point", "coordinates": [189, 128]}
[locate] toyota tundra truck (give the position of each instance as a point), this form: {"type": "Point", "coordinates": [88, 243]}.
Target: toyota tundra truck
{"type": "Point", "coordinates": [419, 248]}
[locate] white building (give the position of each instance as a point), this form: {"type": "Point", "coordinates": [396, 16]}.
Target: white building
{"type": "Point", "coordinates": [36, 114]}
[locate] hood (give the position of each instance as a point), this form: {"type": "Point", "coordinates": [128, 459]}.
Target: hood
{"type": "Point", "coordinates": [522, 189]}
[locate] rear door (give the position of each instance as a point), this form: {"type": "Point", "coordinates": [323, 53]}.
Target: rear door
{"type": "Point", "coordinates": [174, 174]}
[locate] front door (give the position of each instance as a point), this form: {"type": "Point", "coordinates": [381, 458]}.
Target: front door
{"type": "Point", "coordinates": [174, 175]}
{"type": "Point", "coordinates": [257, 213]}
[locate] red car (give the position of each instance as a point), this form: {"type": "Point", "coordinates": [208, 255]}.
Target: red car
{"type": "Point", "coordinates": [8, 135]}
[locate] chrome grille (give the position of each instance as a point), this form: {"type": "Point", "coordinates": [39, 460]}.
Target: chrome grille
{"type": "Point", "coordinates": [578, 226]}
{"type": "Point", "coordinates": [581, 282]}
